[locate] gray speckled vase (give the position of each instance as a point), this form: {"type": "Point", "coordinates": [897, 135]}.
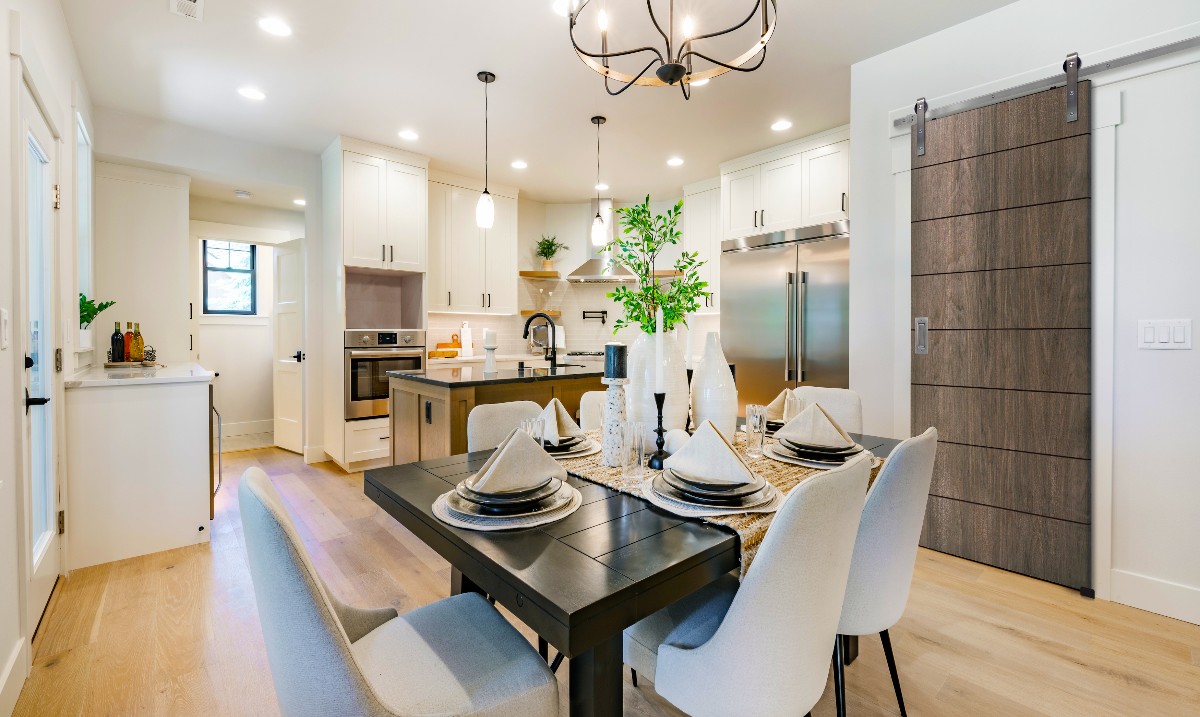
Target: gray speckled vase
{"type": "Point", "coordinates": [614, 421]}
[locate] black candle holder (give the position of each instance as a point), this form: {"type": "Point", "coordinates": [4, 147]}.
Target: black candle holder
{"type": "Point", "coordinates": [657, 457]}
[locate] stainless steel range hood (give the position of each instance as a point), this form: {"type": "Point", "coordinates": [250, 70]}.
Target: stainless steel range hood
{"type": "Point", "coordinates": [601, 269]}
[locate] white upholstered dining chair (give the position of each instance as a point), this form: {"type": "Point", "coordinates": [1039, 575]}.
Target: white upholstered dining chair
{"type": "Point", "coordinates": [842, 404]}
{"type": "Point", "coordinates": [457, 656]}
{"type": "Point", "coordinates": [885, 552]}
{"type": "Point", "coordinates": [591, 410]}
{"type": "Point", "coordinates": [490, 423]}
{"type": "Point", "coordinates": [762, 648]}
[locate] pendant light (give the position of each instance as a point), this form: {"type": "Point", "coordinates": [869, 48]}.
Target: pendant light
{"type": "Point", "coordinates": [485, 210]}
{"type": "Point", "coordinates": [598, 238]}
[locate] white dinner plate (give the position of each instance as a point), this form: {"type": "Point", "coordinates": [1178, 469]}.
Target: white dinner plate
{"type": "Point", "coordinates": [770, 452]}
{"type": "Point", "coordinates": [587, 448]}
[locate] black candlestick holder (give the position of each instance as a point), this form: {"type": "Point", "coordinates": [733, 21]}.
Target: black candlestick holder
{"type": "Point", "coordinates": [657, 457]}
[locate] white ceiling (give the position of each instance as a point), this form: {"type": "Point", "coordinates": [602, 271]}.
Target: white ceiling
{"type": "Point", "coordinates": [261, 194]}
{"type": "Point", "coordinates": [368, 69]}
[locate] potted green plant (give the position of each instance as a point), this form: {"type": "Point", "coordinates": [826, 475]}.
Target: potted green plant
{"type": "Point", "coordinates": [642, 238]}
{"type": "Point", "coordinates": [547, 248]}
{"type": "Point", "coordinates": [88, 311]}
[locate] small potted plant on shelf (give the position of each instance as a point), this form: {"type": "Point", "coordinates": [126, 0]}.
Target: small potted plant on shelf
{"type": "Point", "coordinates": [88, 311]}
{"type": "Point", "coordinates": [547, 248]}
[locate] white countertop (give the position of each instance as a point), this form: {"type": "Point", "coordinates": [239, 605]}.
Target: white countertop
{"type": "Point", "coordinates": [98, 376]}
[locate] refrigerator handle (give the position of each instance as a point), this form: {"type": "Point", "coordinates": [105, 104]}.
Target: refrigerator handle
{"type": "Point", "coordinates": [802, 299]}
{"type": "Point", "coordinates": [789, 339]}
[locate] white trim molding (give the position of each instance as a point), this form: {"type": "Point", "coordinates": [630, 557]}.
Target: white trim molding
{"type": "Point", "coordinates": [13, 674]}
{"type": "Point", "coordinates": [237, 233]}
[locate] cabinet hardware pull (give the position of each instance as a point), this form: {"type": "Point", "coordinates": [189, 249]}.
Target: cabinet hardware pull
{"type": "Point", "coordinates": [843, 201]}
{"type": "Point", "coordinates": [448, 302]}
{"type": "Point", "coordinates": [384, 438]}
{"type": "Point", "coordinates": [391, 252]}
{"type": "Point", "coordinates": [383, 253]}
{"type": "Point", "coordinates": [762, 217]}
{"type": "Point", "coordinates": [755, 218]}
{"type": "Point", "coordinates": [483, 301]}
{"type": "Point", "coordinates": [429, 412]}
{"type": "Point", "coordinates": [489, 301]}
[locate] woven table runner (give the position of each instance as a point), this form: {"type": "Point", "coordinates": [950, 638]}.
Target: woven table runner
{"type": "Point", "coordinates": [750, 527]}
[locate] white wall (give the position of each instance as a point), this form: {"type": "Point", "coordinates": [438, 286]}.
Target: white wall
{"type": "Point", "coordinates": [166, 144]}
{"type": "Point", "coordinates": [1030, 36]}
{"type": "Point", "coordinates": [1021, 42]}
{"type": "Point", "coordinates": [207, 209]}
{"type": "Point", "coordinates": [42, 33]}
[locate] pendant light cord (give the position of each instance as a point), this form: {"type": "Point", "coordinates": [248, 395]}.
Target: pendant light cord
{"type": "Point", "coordinates": [597, 167]}
{"type": "Point", "coordinates": [485, 135]}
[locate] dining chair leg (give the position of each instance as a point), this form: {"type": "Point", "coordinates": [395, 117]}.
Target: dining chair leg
{"type": "Point", "coordinates": [891, 660]}
{"type": "Point", "coordinates": [544, 649]}
{"type": "Point", "coordinates": [557, 661]}
{"type": "Point", "coordinates": [633, 676]}
{"type": "Point", "coordinates": [839, 677]}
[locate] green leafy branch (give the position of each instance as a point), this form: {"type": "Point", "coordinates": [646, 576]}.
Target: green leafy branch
{"type": "Point", "coordinates": [549, 246]}
{"type": "Point", "coordinates": [89, 310]}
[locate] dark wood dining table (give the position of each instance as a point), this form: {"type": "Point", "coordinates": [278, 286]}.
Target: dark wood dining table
{"type": "Point", "coordinates": [579, 582]}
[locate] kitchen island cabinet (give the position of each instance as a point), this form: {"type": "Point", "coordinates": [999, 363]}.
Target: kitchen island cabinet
{"type": "Point", "coordinates": [429, 410]}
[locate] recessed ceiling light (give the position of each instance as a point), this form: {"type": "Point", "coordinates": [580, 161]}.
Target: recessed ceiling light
{"type": "Point", "coordinates": [675, 161]}
{"type": "Point", "coordinates": [274, 26]}
{"type": "Point", "coordinates": [699, 83]}
{"type": "Point", "coordinates": [519, 164]}
{"type": "Point", "coordinates": [409, 135]}
{"type": "Point", "coordinates": [781, 125]}
{"type": "Point", "coordinates": [602, 187]}
{"type": "Point", "coordinates": [241, 194]}
{"type": "Point", "coordinates": [252, 93]}
{"type": "Point", "coordinates": [299, 202]}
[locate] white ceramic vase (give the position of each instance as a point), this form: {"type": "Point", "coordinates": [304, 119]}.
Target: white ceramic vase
{"type": "Point", "coordinates": [714, 395]}
{"type": "Point", "coordinates": [640, 392]}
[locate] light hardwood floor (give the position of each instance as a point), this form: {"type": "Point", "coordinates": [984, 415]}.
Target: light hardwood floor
{"type": "Point", "coordinates": [177, 633]}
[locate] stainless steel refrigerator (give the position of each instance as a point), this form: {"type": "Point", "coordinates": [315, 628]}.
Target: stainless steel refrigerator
{"type": "Point", "coordinates": [785, 307]}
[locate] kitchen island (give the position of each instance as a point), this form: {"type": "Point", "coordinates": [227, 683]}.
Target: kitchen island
{"type": "Point", "coordinates": [429, 410]}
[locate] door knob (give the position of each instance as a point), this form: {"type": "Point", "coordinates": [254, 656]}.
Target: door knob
{"type": "Point", "coordinates": [30, 401]}
{"type": "Point", "coordinates": [299, 356]}
{"type": "Point", "coordinates": [28, 362]}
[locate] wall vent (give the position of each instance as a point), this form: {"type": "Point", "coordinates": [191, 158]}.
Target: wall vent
{"type": "Point", "coordinates": [193, 9]}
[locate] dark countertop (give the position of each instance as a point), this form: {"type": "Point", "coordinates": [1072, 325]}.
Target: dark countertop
{"type": "Point", "coordinates": [464, 376]}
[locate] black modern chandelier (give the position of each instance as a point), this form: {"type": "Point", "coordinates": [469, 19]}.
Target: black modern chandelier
{"type": "Point", "coordinates": [683, 62]}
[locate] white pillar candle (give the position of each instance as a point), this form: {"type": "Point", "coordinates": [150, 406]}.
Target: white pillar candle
{"type": "Point", "coordinates": [658, 350]}
{"type": "Point", "coordinates": [489, 338]}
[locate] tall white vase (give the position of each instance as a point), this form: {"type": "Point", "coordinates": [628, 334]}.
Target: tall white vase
{"type": "Point", "coordinates": [714, 395]}
{"type": "Point", "coordinates": [640, 392]}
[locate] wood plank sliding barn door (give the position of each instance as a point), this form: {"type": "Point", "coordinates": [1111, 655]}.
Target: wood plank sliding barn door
{"type": "Point", "coordinates": [1001, 269]}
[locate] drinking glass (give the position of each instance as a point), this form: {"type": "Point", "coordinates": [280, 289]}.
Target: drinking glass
{"type": "Point", "coordinates": [535, 428]}
{"type": "Point", "coordinates": [792, 405]}
{"type": "Point", "coordinates": [633, 450]}
{"type": "Point", "coordinates": [756, 428]}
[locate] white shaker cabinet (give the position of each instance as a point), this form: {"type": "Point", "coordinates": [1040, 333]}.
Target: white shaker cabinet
{"type": "Point", "coordinates": [740, 192]}
{"type": "Point", "coordinates": [383, 219]}
{"type": "Point", "coordinates": [471, 270]}
{"type": "Point", "coordinates": [826, 182]}
{"type": "Point", "coordinates": [702, 234]}
{"type": "Point", "coordinates": [780, 206]}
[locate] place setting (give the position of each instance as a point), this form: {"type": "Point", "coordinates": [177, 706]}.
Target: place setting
{"type": "Point", "coordinates": [520, 486]}
{"type": "Point", "coordinates": [559, 434]}
{"type": "Point", "coordinates": [813, 439]}
{"type": "Point", "coordinates": [707, 477]}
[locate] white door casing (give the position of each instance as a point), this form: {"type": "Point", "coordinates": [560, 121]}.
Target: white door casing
{"type": "Point", "coordinates": [288, 345]}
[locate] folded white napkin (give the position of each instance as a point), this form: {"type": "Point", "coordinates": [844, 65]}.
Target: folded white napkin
{"type": "Point", "coordinates": [518, 464]}
{"type": "Point", "coordinates": [559, 424]}
{"type": "Point", "coordinates": [674, 439]}
{"type": "Point", "coordinates": [814, 427]}
{"type": "Point", "coordinates": [707, 456]}
{"type": "Point", "coordinates": [775, 408]}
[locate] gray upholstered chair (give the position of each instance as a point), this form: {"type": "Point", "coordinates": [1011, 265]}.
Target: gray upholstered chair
{"type": "Point", "coordinates": [762, 648]}
{"type": "Point", "coordinates": [844, 405]}
{"type": "Point", "coordinates": [457, 656]}
{"type": "Point", "coordinates": [591, 410]}
{"type": "Point", "coordinates": [490, 423]}
{"type": "Point", "coordinates": [885, 552]}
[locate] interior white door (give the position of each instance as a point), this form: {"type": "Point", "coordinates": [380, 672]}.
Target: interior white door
{"type": "Point", "coordinates": [740, 194]}
{"type": "Point", "coordinates": [406, 211]}
{"type": "Point", "coordinates": [38, 177]}
{"type": "Point", "coordinates": [465, 259]}
{"type": "Point", "coordinates": [500, 252]}
{"type": "Point", "coordinates": [288, 322]}
{"type": "Point", "coordinates": [781, 195]}
{"type": "Point", "coordinates": [826, 183]}
{"type": "Point", "coordinates": [364, 211]}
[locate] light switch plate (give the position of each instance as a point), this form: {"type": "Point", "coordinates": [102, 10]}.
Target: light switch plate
{"type": "Point", "coordinates": [5, 330]}
{"type": "Point", "coordinates": [1165, 334]}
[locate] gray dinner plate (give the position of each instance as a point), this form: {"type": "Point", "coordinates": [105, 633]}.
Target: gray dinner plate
{"type": "Point", "coordinates": [554, 501]}
{"type": "Point", "coordinates": [469, 482]}
{"type": "Point", "coordinates": [550, 487]}
{"type": "Point", "coordinates": [667, 490]}
{"type": "Point", "coordinates": [692, 486]}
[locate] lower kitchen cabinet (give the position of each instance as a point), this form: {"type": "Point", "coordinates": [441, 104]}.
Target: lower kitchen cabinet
{"type": "Point", "coordinates": [368, 440]}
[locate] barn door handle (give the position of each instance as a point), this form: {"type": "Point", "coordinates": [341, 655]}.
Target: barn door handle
{"type": "Point", "coordinates": [922, 327]}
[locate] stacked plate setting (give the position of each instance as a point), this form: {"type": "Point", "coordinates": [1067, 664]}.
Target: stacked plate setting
{"type": "Point", "coordinates": [570, 447]}
{"type": "Point", "coordinates": [673, 485]}
{"type": "Point", "coordinates": [814, 456]}
{"type": "Point", "coordinates": [547, 495]}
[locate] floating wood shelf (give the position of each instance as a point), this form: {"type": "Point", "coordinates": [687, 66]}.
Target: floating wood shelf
{"type": "Point", "coordinates": [540, 275]}
{"type": "Point", "coordinates": [552, 313]}
{"type": "Point", "coordinates": [666, 274]}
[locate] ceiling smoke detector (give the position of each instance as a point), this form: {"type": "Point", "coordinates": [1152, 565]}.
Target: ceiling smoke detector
{"type": "Point", "coordinates": [191, 9]}
{"type": "Point", "coordinates": [241, 194]}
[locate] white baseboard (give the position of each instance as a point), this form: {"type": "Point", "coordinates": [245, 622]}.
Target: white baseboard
{"type": "Point", "coordinates": [12, 679]}
{"type": "Point", "coordinates": [315, 454]}
{"type": "Point", "coordinates": [243, 428]}
{"type": "Point", "coordinates": [1181, 602]}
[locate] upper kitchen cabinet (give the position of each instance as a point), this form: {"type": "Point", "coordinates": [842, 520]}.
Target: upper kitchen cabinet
{"type": "Point", "coordinates": [798, 184]}
{"type": "Point", "coordinates": [471, 270]}
{"type": "Point", "coordinates": [702, 234]}
{"type": "Point", "coordinates": [379, 195]}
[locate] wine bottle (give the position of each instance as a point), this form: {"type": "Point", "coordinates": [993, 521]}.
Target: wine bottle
{"type": "Point", "coordinates": [128, 341]}
{"type": "Point", "coordinates": [116, 344]}
{"type": "Point", "coordinates": [137, 349]}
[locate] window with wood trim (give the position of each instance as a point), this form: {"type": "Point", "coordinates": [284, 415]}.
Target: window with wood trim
{"type": "Point", "coordinates": [230, 284]}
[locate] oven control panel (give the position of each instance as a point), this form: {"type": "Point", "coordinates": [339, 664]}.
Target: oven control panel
{"type": "Point", "coordinates": [359, 338]}
{"type": "Point", "coordinates": [387, 338]}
